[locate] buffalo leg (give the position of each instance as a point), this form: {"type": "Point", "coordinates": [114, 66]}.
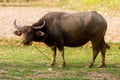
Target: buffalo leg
{"type": "Point", "coordinates": [61, 49]}
{"type": "Point", "coordinates": [54, 56]}
{"type": "Point", "coordinates": [103, 53]}
{"type": "Point", "coordinates": [95, 53]}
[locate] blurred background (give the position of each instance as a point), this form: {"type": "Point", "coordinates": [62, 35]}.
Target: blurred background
{"type": "Point", "coordinates": [27, 12]}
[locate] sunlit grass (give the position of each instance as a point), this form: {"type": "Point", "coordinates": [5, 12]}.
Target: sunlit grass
{"type": "Point", "coordinates": [27, 62]}
{"type": "Point", "coordinates": [110, 7]}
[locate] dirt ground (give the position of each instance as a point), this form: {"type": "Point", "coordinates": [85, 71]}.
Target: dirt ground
{"type": "Point", "coordinates": [29, 15]}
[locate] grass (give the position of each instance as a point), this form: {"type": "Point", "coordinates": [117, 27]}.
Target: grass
{"type": "Point", "coordinates": [110, 7]}
{"type": "Point", "coordinates": [104, 6]}
{"type": "Point", "coordinates": [27, 63]}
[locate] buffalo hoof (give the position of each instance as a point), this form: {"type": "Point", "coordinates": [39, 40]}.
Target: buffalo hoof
{"type": "Point", "coordinates": [102, 66]}
{"type": "Point", "coordinates": [62, 65]}
{"type": "Point", "coordinates": [51, 65]}
{"type": "Point", "coordinates": [90, 66]}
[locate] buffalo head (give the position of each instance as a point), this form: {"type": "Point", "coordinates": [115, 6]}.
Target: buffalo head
{"type": "Point", "coordinates": [30, 33]}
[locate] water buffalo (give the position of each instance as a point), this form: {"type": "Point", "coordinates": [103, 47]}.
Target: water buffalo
{"type": "Point", "coordinates": [59, 29]}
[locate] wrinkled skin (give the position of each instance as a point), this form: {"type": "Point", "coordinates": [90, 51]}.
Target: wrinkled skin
{"type": "Point", "coordinates": [68, 29]}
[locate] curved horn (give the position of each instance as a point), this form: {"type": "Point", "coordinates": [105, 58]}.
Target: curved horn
{"type": "Point", "coordinates": [39, 27]}
{"type": "Point", "coordinates": [16, 26]}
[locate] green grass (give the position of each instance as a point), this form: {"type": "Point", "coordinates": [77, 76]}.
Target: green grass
{"type": "Point", "coordinates": [27, 63]}
{"type": "Point", "coordinates": [81, 5]}
{"type": "Point", "coordinates": [104, 6]}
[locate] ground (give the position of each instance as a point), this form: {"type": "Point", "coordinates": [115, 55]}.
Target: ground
{"type": "Point", "coordinates": [29, 15]}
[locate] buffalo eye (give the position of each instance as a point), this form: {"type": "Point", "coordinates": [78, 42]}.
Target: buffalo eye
{"type": "Point", "coordinates": [40, 33]}
{"type": "Point", "coordinates": [17, 32]}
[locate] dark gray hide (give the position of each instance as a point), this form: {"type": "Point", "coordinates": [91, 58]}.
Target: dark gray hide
{"type": "Point", "coordinates": [68, 29]}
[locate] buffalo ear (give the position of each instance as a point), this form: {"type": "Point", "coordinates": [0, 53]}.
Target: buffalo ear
{"type": "Point", "coordinates": [40, 33]}
{"type": "Point", "coordinates": [17, 32]}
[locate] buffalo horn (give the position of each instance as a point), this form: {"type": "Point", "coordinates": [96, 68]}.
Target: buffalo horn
{"type": "Point", "coordinates": [16, 26]}
{"type": "Point", "coordinates": [39, 27]}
